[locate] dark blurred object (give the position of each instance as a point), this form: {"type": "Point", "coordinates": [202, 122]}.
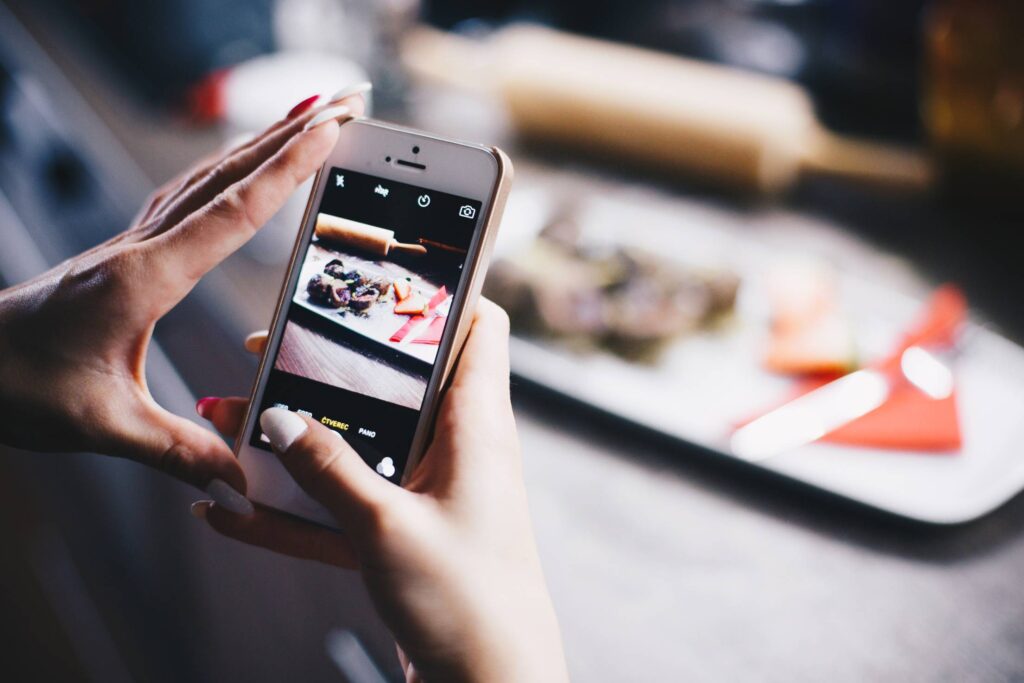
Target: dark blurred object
{"type": "Point", "coordinates": [858, 58]}
{"type": "Point", "coordinates": [163, 47]}
{"type": "Point", "coordinates": [48, 170]}
{"type": "Point", "coordinates": [974, 101]}
{"type": "Point", "coordinates": [627, 299]}
{"type": "Point", "coordinates": [722, 126]}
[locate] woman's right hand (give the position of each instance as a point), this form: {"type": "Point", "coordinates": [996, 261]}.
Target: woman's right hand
{"type": "Point", "coordinates": [450, 561]}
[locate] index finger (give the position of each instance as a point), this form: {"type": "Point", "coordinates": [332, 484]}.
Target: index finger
{"type": "Point", "coordinates": [483, 366]}
{"type": "Point", "coordinates": [208, 236]}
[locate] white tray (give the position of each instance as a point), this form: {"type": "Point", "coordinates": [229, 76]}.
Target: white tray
{"type": "Point", "coordinates": [704, 385]}
{"type": "Point", "coordinates": [381, 321]}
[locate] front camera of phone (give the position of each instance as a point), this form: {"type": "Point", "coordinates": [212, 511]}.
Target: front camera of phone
{"type": "Point", "coordinates": [416, 149]}
{"type": "Point", "coordinates": [387, 160]}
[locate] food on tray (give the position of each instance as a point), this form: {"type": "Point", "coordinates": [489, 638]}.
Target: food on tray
{"type": "Point", "coordinates": [810, 333]}
{"type": "Point", "coordinates": [369, 238]}
{"type": "Point", "coordinates": [820, 346]}
{"type": "Point", "coordinates": [328, 291]}
{"type": "Point", "coordinates": [349, 289]}
{"type": "Point", "coordinates": [402, 289]}
{"type": "Point", "coordinates": [413, 304]}
{"type": "Point", "coordinates": [623, 298]}
{"type": "Point", "coordinates": [363, 297]}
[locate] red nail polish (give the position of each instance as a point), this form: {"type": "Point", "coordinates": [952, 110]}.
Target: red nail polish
{"type": "Point", "coordinates": [302, 106]}
{"type": "Point", "coordinates": [204, 406]}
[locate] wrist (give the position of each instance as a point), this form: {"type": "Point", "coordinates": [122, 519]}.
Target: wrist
{"type": "Point", "coordinates": [511, 637]}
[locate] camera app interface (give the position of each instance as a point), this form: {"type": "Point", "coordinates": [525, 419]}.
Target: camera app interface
{"type": "Point", "coordinates": [368, 310]}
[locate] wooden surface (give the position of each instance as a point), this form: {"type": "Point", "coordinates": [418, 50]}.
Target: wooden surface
{"type": "Point", "coordinates": [310, 354]}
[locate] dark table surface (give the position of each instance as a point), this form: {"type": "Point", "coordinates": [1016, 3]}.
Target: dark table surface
{"type": "Point", "coordinates": [664, 563]}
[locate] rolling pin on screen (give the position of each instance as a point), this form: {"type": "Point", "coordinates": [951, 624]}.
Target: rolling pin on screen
{"type": "Point", "coordinates": [368, 238]}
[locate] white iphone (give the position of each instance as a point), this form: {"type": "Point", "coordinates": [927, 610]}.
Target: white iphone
{"type": "Point", "coordinates": [384, 277]}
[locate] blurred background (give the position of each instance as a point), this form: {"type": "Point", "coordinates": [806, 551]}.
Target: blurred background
{"type": "Point", "coordinates": [718, 205]}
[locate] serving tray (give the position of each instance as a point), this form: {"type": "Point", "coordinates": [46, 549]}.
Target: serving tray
{"type": "Point", "coordinates": [707, 383]}
{"type": "Point", "coordinates": [380, 322]}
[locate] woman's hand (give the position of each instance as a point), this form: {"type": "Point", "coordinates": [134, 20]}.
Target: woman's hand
{"type": "Point", "coordinates": [450, 560]}
{"type": "Point", "coordinates": [73, 341]}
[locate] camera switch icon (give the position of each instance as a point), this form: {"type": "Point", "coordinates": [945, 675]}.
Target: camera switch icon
{"type": "Point", "coordinates": [467, 211]}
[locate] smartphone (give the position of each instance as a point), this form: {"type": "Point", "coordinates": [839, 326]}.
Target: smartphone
{"type": "Point", "coordinates": [378, 299]}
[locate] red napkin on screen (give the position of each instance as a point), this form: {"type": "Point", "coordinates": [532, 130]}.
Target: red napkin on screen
{"type": "Point", "coordinates": [415, 320]}
{"type": "Point", "coordinates": [909, 419]}
{"type": "Point", "coordinates": [432, 335]}
{"type": "Point", "coordinates": [402, 331]}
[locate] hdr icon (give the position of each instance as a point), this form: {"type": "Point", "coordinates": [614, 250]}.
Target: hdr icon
{"type": "Point", "coordinates": [368, 433]}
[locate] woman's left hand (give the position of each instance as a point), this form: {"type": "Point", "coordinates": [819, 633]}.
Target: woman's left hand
{"type": "Point", "coordinates": [73, 341]}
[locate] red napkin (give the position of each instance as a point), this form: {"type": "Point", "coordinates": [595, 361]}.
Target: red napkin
{"type": "Point", "coordinates": [412, 322]}
{"type": "Point", "coordinates": [909, 419]}
{"type": "Point", "coordinates": [415, 320]}
{"type": "Point", "coordinates": [433, 333]}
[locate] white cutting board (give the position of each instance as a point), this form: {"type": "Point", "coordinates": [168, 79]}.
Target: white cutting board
{"type": "Point", "coordinates": [705, 384]}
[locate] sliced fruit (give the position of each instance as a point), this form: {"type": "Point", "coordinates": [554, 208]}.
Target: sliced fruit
{"type": "Point", "coordinates": [800, 292]}
{"type": "Point", "coordinates": [402, 289]}
{"type": "Point", "coordinates": [412, 305]}
{"type": "Point", "coordinates": [822, 345]}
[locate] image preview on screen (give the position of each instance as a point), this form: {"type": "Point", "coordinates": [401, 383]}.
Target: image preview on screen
{"type": "Point", "coordinates": [366, 310]}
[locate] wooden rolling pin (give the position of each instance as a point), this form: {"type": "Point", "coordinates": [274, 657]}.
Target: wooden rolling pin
{"type": "Point", "coordinates": [369, 238]}
{"type": "Point", "coordinates": [718, 123]}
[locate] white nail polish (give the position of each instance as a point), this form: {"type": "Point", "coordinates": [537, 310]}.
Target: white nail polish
{"type": "Point", "coordinates": [199, 508]}
{"type": "Point", "coordinates": [282, 427]}
{"type": "Point", "coordinates": [350, 90]}
{"type": "Point", "coordinates": [228, 498]}
{"type": "Point", "coordinates": [329, 114]}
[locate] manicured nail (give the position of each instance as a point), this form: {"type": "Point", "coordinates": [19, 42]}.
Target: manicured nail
{"type": "Point", "coordinates": [255, 342]}
{"type": "Point", "coordinates": [329, 114]}
{"type": "Point", "coordinates": [301, 107]}
{"type": "Point", "coordinates": [228, 498]}
{"type": "Point", "coordinates": [200, 508]}
{"type": "Point", "coordinates": [350, 90]}
{"type": "Point", "coordinates": [282, 427]}
{"type": "Point", "coordinates": [204, 406]}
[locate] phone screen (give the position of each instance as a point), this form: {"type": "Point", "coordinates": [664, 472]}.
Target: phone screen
{"type": "Point", "coordinates": [367, 310]}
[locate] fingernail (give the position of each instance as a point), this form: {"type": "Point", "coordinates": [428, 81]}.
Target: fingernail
{"type": "Point", "coordinates": [255, 341]}
{"type": "Point", "coordinates": [228, 498]}
{"type": "Point", "coordinates": [282, 427]}
{"type": "Point", "coordinates": [200, 508]}
{"type": "Point", "coordinates": [350, 90]}
{"type": "Point", "coordinates": [204, 406]}
{"type": "Point", "coordinates": [301, 107]}
{"type": "Point", "coordinates": [329, 114]}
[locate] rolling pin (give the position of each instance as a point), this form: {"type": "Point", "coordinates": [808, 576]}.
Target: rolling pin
{"type": "Point", "coordinates": [734, 128]}
{"type": "Point", "coordinates": [369, 238]}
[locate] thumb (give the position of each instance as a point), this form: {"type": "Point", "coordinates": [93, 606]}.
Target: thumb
{"type": "Point", "coordinates": [177, 447]}
{"type": "Point", "coordinates": [326, 467]}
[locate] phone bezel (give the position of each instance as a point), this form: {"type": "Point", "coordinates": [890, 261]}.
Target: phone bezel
{"type": "Point", "coordinates": [454, 167]}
